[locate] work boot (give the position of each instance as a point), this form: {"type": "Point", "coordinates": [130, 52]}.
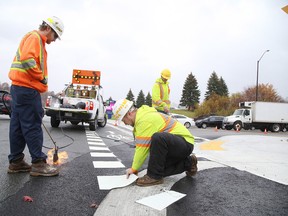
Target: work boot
{"type": "Point", "coordinates": [19, 166]}
{"type": "Point", "coordinates": [147, 181]}
{"type": "Point", "coordinates": [194, 168]}
{"type": "Point", "coordinates": [41, 168]}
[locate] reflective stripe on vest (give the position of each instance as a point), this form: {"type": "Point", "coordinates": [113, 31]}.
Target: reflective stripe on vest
{"type": "Point", "coordinates": [168, 127]}
{"type": "Point", "coordinates": [23, 66]}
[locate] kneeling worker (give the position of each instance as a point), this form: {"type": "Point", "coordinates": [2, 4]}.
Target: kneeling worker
{"type": "Point", "coordinates": [169, 143]}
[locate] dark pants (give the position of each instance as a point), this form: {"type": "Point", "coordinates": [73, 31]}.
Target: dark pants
{"type": "Point", "coordinates": [169, 155]}
{"type": "Point", "coordinates": [25, 124]}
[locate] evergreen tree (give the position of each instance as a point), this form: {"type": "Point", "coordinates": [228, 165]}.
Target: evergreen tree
{"type": "Point", "coordinates": [148, 100]}
{"type": "Point", "coordinates": [223, 89]}
{"type": "Point", "coordinates": [217, 86]}
{"type": "Point", "coordinates": [190, 93]}
{"type": "Point", "coordinates": [212, 85]}
{"type": "Point", "coordinates": [140, 99]}
{"type": "Point", "coordinates": [130, 96]}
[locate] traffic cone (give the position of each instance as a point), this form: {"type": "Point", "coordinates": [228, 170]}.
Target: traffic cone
{"type": "Point", "coordinates": [265, 131]}
{"type": "Point", "coordinates": [216, 129]}
{"type": "Point", "coordinates": [237, 129]}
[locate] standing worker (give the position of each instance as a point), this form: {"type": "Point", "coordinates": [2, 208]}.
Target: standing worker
{"type": "Point", "coordinates": [161, 92]}
{"type": "Point", "coordinates": [169, 142]}
{"type": "Point", "coordinates": [29, 77]}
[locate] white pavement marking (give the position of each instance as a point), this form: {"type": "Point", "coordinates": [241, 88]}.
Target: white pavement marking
{"type": "Point", "coordinates": [96, 144]}
{"type": "Point", "coordinates": [114, 204]}
{"type": "Point", "coordinates": [96, 148]}
{"type": "Point", "coordinates": [102, 154]}
{"type": "Point", "coordinates": [108, 164]}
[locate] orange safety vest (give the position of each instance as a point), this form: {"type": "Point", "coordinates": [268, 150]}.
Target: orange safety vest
{"type": "Point", "coordinates": [29, 66]}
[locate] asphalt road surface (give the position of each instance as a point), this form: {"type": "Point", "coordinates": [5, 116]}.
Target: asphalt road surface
{"type": "Point", "coordinates": [220, 190]}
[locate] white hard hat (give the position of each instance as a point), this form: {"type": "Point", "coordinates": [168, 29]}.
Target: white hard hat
{"type": "Point", "coordinates": [120, 108]}
{"type": "Point", "coordinates": [56, 24]}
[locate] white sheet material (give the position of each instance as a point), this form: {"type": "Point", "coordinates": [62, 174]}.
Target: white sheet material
{"type": "Point", "coordinates": [162, 200]}
{"type": "Point", "coordinates": [110, 182]}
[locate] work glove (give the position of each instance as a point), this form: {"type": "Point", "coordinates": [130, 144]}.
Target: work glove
{"type": "Point", "coordinates": [44, 81]}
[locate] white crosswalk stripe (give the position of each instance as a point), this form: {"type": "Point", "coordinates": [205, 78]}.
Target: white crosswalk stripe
{"type": "Point", "coordinates": [99, 150]}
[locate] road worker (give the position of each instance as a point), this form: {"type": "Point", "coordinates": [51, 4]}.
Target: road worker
{"type": "Point", "coordinates": [161, 92]}
{"type": "Point", "coordinates": [169, 143]}
{"type": "Point", "coordinates": [29, 77]}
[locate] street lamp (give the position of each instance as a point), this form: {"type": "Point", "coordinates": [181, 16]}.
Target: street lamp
{"type": "Point", "coordinates": [258, 73]}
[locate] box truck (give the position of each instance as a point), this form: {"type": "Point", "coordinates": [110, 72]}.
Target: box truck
{"type": "Point", "coordinates": [272, 116]}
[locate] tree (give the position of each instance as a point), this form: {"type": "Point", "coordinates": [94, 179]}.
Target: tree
{"type": "Point", "coordinates": [266, 92]}
{"type": "Point", "coordinates": [190, 93]}
{"type": "Point", "coordinates": [223, 89]}
{"type": "Point", "coordinates": [130, 96]}
{"type": "Point", "coordinates": [212, 85]}
{"type": "Point", "coordinates": [148, 100]}
{"type": "Point", "coordinates": [216, 85]}
{"type": "Point", "coordinates": [140, 99]}
{"type": "Point", "coordinates": [215, 104]}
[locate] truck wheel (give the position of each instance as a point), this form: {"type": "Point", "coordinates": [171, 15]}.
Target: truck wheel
{"type": "Point", "coordinates": [92, 125]}
{"type": "Point", "coordinates": [275, 128]}
{"type": "Point", "coordinates": [237, 126]}
{"type": "Point", "coordinates": [103, 124]}
{"type": "Point", "coordinates": [54, 122]}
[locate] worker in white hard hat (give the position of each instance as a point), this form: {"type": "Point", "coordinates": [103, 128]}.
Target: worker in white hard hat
{"type": "Point", "coordinates": [169, 143]}
{"type": "Point", "coordinates": [29, 77]}
{"type": "Point", "coordinates": [161, 92]}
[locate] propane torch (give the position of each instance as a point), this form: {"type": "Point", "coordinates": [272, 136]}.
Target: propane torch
{"type": "Point", "coordinates": [55, 155]}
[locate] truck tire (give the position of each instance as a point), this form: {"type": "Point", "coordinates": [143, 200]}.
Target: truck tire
{"type": "Point", "coordinates": [103, 124]}
{"type": "Point", "coordinates": [92, 125]}
{"type": "Point", "coordinates": [54, 122]}
{"type": "Point", "coordinates": [237, 126]}
{"type": "Point", "coordinates": [275, 128]}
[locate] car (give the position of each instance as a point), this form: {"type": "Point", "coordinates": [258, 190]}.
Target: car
{"type": "Point", "coordinates": [186, 121]}
{"type": "Point", "coordinates": [211, 121]}
{"type": "Point", "coordinates": [5, 103]}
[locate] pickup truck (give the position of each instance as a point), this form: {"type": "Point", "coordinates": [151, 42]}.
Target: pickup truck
{"type": "Point", "coordinates": [80, 102]}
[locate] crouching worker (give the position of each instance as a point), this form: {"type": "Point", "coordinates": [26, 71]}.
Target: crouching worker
{"type": "Point", "coordinates": [169, 143]}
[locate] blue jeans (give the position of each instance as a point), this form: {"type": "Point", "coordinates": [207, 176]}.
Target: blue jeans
{"type": "Point", "coordinates": [25, 124]}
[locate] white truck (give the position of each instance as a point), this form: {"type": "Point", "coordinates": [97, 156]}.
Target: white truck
{"type": "Point", "coordinates": [80, 101]}
{"type": "Point", "coordinates": [259, 115]}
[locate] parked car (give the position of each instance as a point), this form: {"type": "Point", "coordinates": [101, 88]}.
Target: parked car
{"type": "Point", "coordinates": [211, 121]}
{"type": "Point", "coordinates": [5, 102]}
{"type": "Point", "coordinates": [186, 121]}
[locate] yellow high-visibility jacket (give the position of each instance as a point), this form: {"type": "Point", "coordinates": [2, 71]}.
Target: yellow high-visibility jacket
{"type": "Point", "coordinates": [160, 95]}
{"type": "Point", "coordinates": [29, 66]}
{"type": "Point", "coordinates": [147, 122]}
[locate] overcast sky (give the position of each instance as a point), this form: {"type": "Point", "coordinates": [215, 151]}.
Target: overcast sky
{"type": "Point", "coordinates": [131, 41]}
